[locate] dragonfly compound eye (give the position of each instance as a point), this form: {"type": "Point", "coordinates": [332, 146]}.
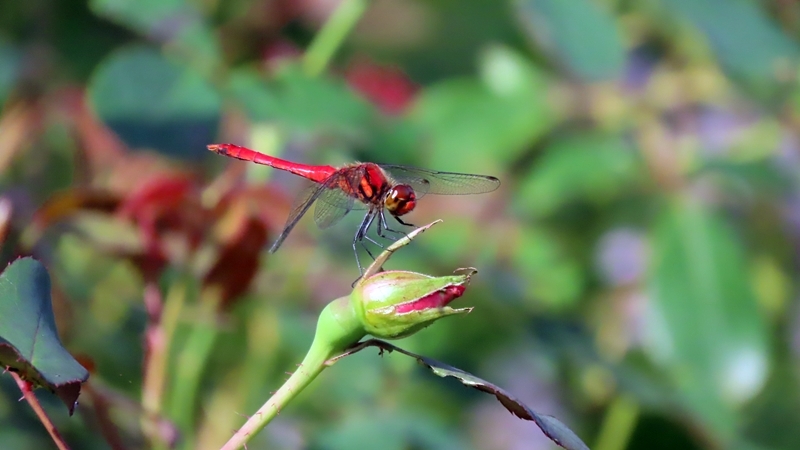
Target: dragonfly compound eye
{"type": "Point", "coordinates": [400, 200]}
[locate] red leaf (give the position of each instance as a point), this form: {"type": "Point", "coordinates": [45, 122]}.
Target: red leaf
{"type": "Point", "coordinates": [387, 87]}
{"type": "Point", "coordinates": [237, 263]}
{"type": "Point", "coordinates": [68, 202]}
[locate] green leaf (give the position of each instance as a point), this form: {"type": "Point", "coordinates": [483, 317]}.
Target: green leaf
{"type": "Point", "coordinates": [107, 232]}
{"type": "Point", "coordinates": [29, 342]}
{"type": "Point", "coordinates": [9, 69]}
{"type": "Point", "coordinates": [550, 426]}
{"type": "Point", "coordinates": [578, 33]}
{"type": "Point", "coordinates": [175, 22]}
{"type": "Point", "coordinates": [590, 167]}
{"type": "Point", "coordinates": [757, 48]}
{"type": "Point", "coordinates": [763, 177]}
{"type": "Point", "coordinates": [300, 102]}
{"type": "Point", "coordinates": [705, 328]}
{"type": "Point", "coordinates": [388, 430]}
{"type": "Point", "coordinates": [550, 276]}
{"type": "Point", "coordinates": [152, 102]}
{"type": "Point", "coordinates": [488, 120]}
{"type": "Point", "coordinates": [253, 94]}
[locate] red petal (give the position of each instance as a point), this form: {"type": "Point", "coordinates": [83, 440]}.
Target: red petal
{"type": "Point", "coordinates": [438, 299]}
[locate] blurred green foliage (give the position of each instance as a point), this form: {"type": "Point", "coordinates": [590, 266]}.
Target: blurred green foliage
{"type": "Point", "coordinates": [637, 267]}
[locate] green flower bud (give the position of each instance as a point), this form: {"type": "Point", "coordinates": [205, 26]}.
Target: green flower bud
{"type": "Point", "coordinates": [396, 304]}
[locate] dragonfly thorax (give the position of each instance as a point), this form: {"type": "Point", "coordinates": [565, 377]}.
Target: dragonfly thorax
{"type": "Point", "coordinates": [400, 199]}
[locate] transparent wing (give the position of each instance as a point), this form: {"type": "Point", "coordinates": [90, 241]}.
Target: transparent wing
{"type": "Point", "coordinates": [333, 204]}
{"type": "Point", "coordinates": [300, 206]}
{"type": "Point", "coordinates": [339, 198]}
{"type": "Point", "coordinates": [426, 181]}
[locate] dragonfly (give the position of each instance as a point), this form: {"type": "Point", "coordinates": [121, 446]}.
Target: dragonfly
{"type": "Point", "coordinates": [377, 188]}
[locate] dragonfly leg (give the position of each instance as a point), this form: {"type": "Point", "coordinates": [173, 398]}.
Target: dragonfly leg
{"type": "Point", "coordinates": [404, 223]}
{"type": "Point", "coordinates": [365, 236]}
{"type": "Point", "coordinates": [384, 225]}
{"type": "Point", "coordinates": [374, 242]}
{"type": "Point", "coordinates": [359, 238]}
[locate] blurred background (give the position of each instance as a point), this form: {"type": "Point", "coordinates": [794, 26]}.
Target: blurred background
{"type": "Point", "coordinates": [637, 266]}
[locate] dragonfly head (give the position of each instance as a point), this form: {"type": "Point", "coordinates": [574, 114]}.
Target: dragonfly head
{"type": "Point", "coordinates": [400, 200]}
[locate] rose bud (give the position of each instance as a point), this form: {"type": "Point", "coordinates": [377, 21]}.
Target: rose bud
{"type": "Point", "coordinates": [395, 304]}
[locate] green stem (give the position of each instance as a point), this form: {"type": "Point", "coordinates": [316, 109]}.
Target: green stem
{"type": "Point", "coordinates": [338, 329]}
{"type": "Point", "coordinates": [618, 424]}
{"type": "Point", "coordinates": [188, 371]}
{"type": "Point", "coordinates": [27, 393]}
{"type": "Point", "coordinates": [159, 338]}
{"type": "Point", "coordinates": [332, 34]}
{"type": "Point", "coordinates": [313, 364]}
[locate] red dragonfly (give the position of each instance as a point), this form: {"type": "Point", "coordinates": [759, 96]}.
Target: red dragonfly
{"type": "Point", "coordinates": [374, 187]}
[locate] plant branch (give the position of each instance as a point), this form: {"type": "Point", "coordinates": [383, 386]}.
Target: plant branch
{"type": "Point", "coordinates": [313, 364]}
{"type": "Point", "coordinates": [190, 363]}
{"type": "Point", "coordinates": [332, 34]}
{"type": "Point", "coordinates": [106, 425]}
{"type": "Point", "coordinates": [5, 217]}
{"type": "Point", "coordinates": [618, 424]}
{"type": "Point", "coordinates": [30, 397]}
{"type": "Point", "coordinates": [338, 331]}
{"type": "Point", "coordinates": [160, 329]}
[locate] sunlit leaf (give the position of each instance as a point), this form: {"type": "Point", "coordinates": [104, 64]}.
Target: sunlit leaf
{"type": "Point", "coordinates": [577, 33]}
{"type": "Point", "coordinates": [550, 426]}
{"type": "Point", "coordinates": [29, 342]}
{"type": "Point", "coordinates": [549, 275]}
{"type": "Point", "coordinates": [472, 123]}
{"type": "Point", "coordinates": [253, 95]}
{"type": "Point", "coordinates": [749, 178]}
{"type": "Point", "coordinates": [108, 232]}
{"type": "Point", "coordinates": [175, 22]}
{"type": "Point", "coordinates": [592, 168]}
{"type": "Point", "coordinates": [154, 103]}
{"type": "Point", "coordinates": [757, 51]}
{"type": "Point", "coordinates": [705, 327]}
{"type": "Point", "coordinates": [300, 102]}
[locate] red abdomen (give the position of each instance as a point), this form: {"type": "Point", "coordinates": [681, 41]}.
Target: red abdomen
{"type": "Point", "coordinates": [313, 173]}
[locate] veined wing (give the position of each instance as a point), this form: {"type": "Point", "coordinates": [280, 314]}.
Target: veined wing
{"type": "Point", "coordinates": [333, 204]}
{"type": "Point", "coordinates": [300, 206]}
{"type": "Point", "coordinates": [426, 181]}
{"type": "Point", "coordinates": [339, 198]}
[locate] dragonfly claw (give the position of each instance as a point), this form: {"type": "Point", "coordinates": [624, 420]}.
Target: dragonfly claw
{"type": "Point", "coordinates": [404, 223]}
